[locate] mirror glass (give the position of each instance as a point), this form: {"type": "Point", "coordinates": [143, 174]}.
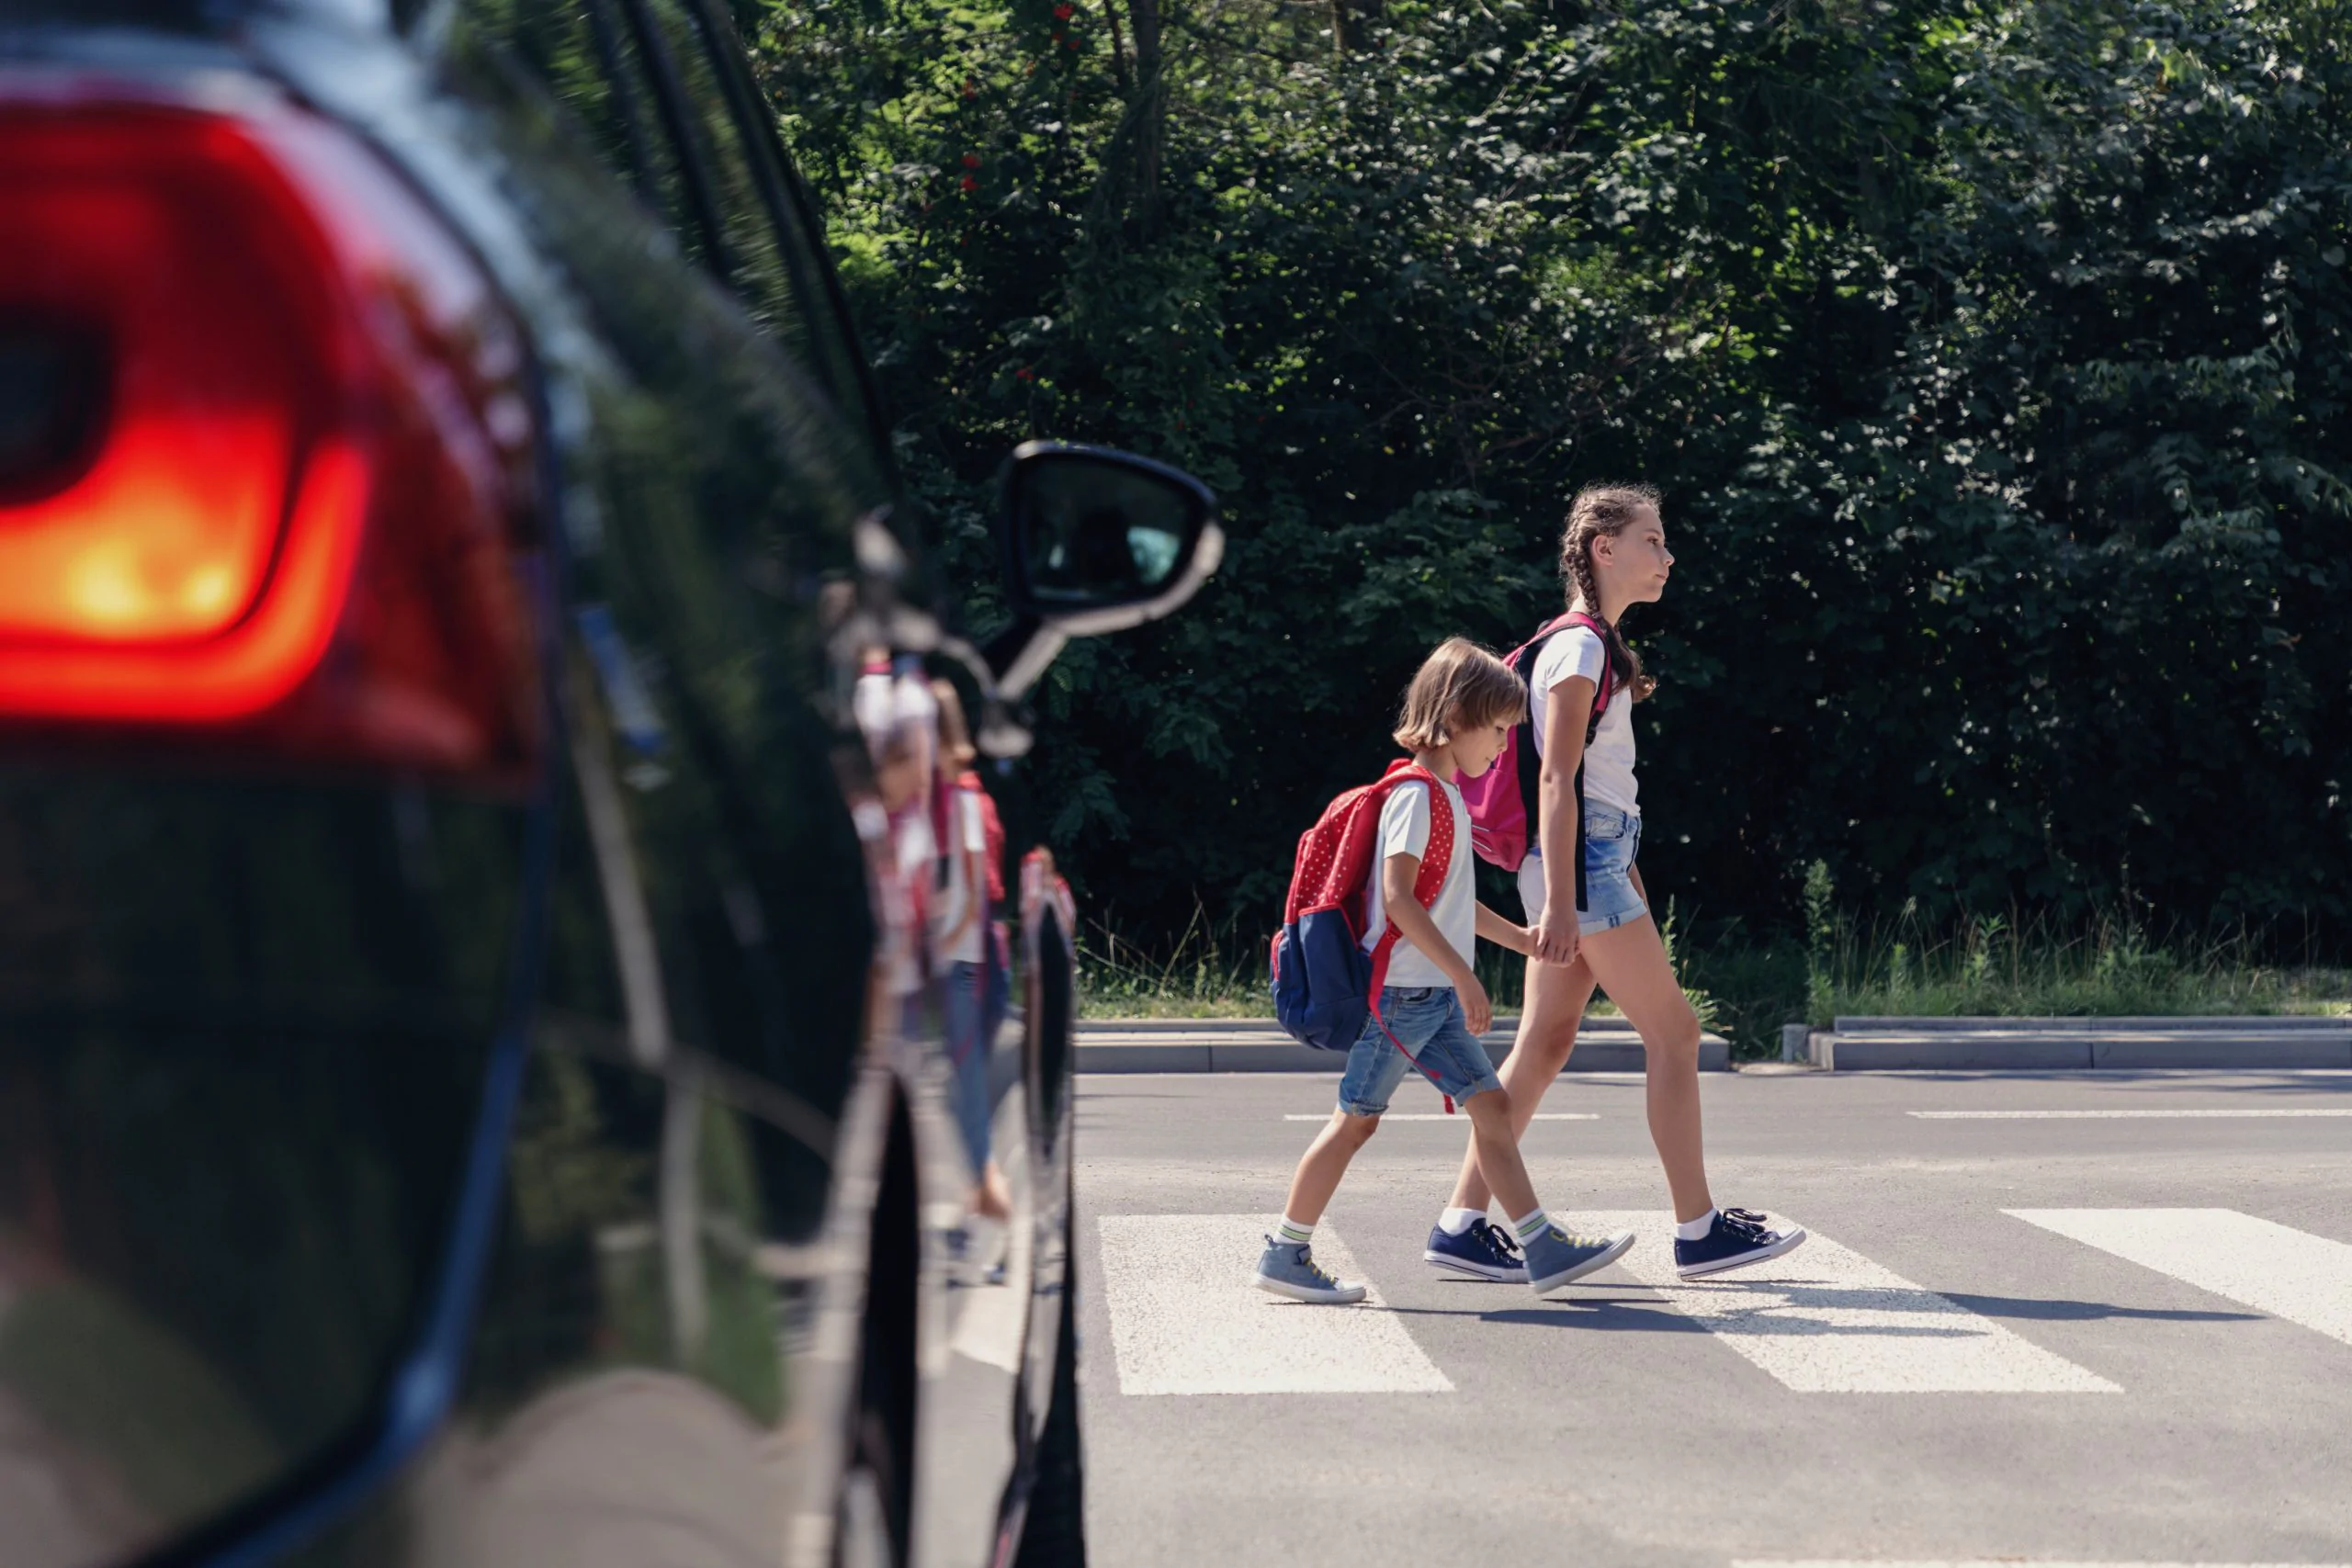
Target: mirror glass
{"type": "Point", "coordinates": [1096, 531]}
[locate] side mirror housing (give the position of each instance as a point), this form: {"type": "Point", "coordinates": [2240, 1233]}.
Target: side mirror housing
{"type": "Point", "coordinates": [1098, 540]}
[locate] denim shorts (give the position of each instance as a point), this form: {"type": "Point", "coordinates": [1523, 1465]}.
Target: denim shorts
{"type": "Point", "coordinates": [1611, 839]}
{"type": "Point", "coordinates": [1426, 1020]}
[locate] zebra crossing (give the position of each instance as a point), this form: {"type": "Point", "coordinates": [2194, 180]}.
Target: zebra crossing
{"type": "Point", "coordinates": [2056, 1324]}
{"type": "Point", "coordinates": [1825, 1319]}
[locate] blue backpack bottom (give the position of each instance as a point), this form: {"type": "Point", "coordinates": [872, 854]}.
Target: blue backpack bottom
{"type": "Point", "coordinates": [1322, 981]}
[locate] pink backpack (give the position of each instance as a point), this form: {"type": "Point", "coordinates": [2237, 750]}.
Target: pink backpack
{"type": "Point", "coordinates": [1502, 799]}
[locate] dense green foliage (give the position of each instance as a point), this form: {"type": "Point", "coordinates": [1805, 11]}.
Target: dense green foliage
{"type": "Point", "coordinates": [1992, 359]}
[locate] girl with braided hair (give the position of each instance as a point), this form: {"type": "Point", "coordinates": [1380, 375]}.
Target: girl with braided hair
{"type": "Point", "coordinates": [1588, 914]}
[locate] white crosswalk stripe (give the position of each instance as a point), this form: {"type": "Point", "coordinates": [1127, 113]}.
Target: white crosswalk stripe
{"type": "Point", "coordinates": [2269, 1267]}
{"type": "Point", "coordinates": [1441, 1116]}
{"type": "Point", "coordinates": [1827, 1320]}
{"type": "Point", "coordinates": [2167, 1114]}
{"type": "Point", "coordinates": [1186, 1320]}
{"type": "Point", "coordinates": [1994, 1563]}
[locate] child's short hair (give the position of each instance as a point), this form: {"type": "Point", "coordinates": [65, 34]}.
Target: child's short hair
{"type": "Point", "coordinates": [1459, 684]}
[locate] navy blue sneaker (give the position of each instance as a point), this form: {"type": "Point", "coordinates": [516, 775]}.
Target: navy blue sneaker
{"type": "Point", "coordinates": [1482, 1252]}
{"type": "Point", "coordinates": [1737, 1239]}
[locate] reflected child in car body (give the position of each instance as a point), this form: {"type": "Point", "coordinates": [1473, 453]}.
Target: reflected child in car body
{"type": "Point", "coordinates": [961, 942]}
{"type": "Point", "coordinates": [899, 716]}
{"type": "Point", "coordinates": [1457, 713]}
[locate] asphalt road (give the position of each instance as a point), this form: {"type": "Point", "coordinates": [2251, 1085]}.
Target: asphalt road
{"type": "Point", "coordinates": [2118, 1337]}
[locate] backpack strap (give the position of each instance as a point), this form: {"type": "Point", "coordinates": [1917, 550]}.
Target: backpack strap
{"type": "Point", "coordinates": [1437, 860]}
{"type": "Point", "coordinates": [1530, 766]}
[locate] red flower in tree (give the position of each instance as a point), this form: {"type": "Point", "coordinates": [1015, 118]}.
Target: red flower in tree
{"type": "Point", "coordinates": [1064, 13]}
{"type": "Point", "coordinates": [968, 183]}
{"type": "Point", "coordinates": [972, 88]}
{"type": "Point", "coordinates": [971, 160]}
{"type": "Point", "coordinates": [1024, 374]}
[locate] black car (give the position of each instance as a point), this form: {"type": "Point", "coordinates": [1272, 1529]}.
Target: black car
{"type": "Point", "coordinates": [451, 1109]}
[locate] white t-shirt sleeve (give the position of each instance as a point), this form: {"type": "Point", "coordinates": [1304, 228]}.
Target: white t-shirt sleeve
{"type": "Point", "coordinates": [1405, 822]}
{"type": "Point", "coordinates": [1579, 650]}
{"type": "Point", "coordinates": [975, 824]}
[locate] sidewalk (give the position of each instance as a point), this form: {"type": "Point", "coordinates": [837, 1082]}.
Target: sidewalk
{"type": "Point", "coordinates": [1259, 1045]}
{"type": "Point", "coordinates": [2062, 1045]}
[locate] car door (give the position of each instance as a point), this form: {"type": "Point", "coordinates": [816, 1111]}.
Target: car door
{"type": "Point", "coordinates": [670, 1325]}
{"type": "Point", "coordinates": [729, 468]}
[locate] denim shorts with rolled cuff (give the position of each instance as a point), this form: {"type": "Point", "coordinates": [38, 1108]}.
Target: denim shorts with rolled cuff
{"type": "Point", "coordinates": [1428, 1022]}
{"type": "Point", "coordinates": [1611, 839]}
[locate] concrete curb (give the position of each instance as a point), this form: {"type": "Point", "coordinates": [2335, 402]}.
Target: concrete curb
{"type": "Point", "coordinates": [1255, 1045]}
{"type": "Point", "coordinates": [2072, 1044]}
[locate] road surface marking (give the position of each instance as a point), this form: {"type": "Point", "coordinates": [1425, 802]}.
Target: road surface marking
{"type": "Point", "coordinates": [2167, 1115]}
{"type": "Point", "coordinates": [1994, 1563]}
{"type": "Point", "coordinates": [1827, 1320]}
{"type": "Point", "coordinates": [2287, 1273]}
{"type": "Point", "coordinates": [992, 1321]}
{"type": "Point", "coordinates": [1186, 1319]}
{"type": "Point", "coordinates": [1441, 1116]}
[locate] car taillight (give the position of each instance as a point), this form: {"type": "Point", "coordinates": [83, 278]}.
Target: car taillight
{"type": "Point", "coordinates": [265, 448]}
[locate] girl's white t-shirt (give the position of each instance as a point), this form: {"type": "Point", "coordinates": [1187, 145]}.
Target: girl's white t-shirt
{"type": "Point", "coordinates": [1609, 761]}
{"type": "Point", "coordinates": [1404, 830]}
{"type": "Point", "coordinates": [967, 834]}
{"type": "Point", "coordinates": [912, 849]}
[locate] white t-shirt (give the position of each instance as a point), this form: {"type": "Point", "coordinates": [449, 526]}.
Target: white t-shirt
{"type": "Point", "coordinates": [912, 852]}
{"type": "Point", "coordinates": [1609, 761]}
{"type": "Point", "coordinates": [966, 832]}
{"type": "Point", "coordinates": [1404, 830]}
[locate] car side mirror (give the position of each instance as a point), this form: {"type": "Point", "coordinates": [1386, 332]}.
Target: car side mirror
{"type": "Point", "coordinates": [1097, 540]}
{"type": "Point", "coordinates": [1094, 541]}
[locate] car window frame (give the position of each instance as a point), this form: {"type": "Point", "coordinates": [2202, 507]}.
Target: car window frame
{"type": "Point", "coordinates": [791, 216]}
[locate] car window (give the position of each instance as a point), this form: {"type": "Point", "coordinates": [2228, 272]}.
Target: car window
{"type": "Point", "coordinates": [656, 87]}
{"type": "Point", "coordinates": [585, 54]}
{"type": "Point", "coordinates": [767, 253]}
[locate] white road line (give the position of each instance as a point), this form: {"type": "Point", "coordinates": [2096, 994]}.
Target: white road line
{"type": "Point", "coordinates": [1186, 1319]}
{"type": "Point", "coordinates": [2230, 1112]}
{"type": "Point", "coordinates": [1441, 1116]}
{"type": "Point", "coordinates": [992, 1321]}
{"type": "Point", "coordinates": [1827, 1320]}
{"type": "Point", "coordinates": [1994, 1563]}
{"type": "Point", "coordinates": [2287, 1273]}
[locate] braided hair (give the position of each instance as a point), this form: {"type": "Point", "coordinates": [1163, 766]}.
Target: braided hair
{"type": "Point", "coordinates": [1598, 509]}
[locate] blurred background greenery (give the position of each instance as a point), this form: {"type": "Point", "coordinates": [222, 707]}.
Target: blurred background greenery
{"type": "Point", "coordinates": [1991, 359]}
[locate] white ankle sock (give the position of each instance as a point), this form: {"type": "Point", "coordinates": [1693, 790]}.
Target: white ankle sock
{"type": "Point", "coordinates": [1453, 1222]}
{"type": "Point", "coordinates": [1529, 1227]}
{"type": "Point", "coordinates": [1696, 1230]}
{"type": "Point", "coordinates": [1291, 1233]}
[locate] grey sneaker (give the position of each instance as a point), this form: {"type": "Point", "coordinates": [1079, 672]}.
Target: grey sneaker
{"type": "Point", "coordinates": [1556, 1257]}
{"type": "Point", "coordinates": [1288, 1270]}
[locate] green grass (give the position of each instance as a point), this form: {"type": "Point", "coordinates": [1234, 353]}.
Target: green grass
{"type": "Point", "coordinates": [1216, 973]}
{"type": "Point", "coordinates": [1993, 967]}
{"type": "Point", "coordinates": [1744, 988]}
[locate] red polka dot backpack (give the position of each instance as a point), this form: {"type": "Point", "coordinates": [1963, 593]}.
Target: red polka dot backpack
{"type": "Point", "coordinates": [1326, 983]}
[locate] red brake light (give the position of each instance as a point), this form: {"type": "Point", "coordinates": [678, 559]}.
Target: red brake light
{"type": "Point", "coordinates": [266, 467]}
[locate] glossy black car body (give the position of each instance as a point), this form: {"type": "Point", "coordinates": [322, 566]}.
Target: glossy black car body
{"type": "Point", "coordinates": [520, 1168]}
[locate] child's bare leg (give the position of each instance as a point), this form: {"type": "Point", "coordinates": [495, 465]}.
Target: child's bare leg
{"type": "Point", "coordinates": [1325, 1162]}
{"type": "Point", "coordinates": [1630, 964]}
{"type": "Point", "coordinates": [1556, 996]}
{"type": "Point", "coordinates": [1494, 1136]}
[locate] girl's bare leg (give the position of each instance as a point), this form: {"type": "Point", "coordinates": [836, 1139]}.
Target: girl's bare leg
{"type": "Point", "coordinates": [1556, 995]}
{"type": "Point", "coordinates": [1629, 963]}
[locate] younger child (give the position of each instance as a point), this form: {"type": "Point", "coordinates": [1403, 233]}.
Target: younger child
{"type": "Point", "coordinates": [962, 941]}
{"type": "Point", "coordinates": [1457, 713]}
